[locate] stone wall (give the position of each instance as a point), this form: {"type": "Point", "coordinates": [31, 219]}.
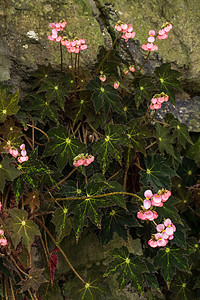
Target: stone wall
{"type": "Point", "coordinates": [24, 26]}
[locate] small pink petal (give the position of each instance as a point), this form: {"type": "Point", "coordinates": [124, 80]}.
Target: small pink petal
{"type": "Point", "coordinates": [160, 227]}
{"type": "Point", "coordinates": [152, 243]}
{"type": "Point", "coordinates": [152, 32]}
{"type": "Point", "coordinates": [169, 231]}
{"type": "Point", "coordinates": [148, 194]}
{"type": "Point", "coordinates": [151, 39]}
{"type": "Point", "coordinates": [167, 222]}
{"type": "Point", "coordinates": [147, 204]}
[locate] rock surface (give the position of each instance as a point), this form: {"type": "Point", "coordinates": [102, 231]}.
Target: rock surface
{"type": "Point", "coordinates": [25, 28]}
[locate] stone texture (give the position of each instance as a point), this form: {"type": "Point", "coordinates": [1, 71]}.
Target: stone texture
{"type": "Point", "coordinates": [25, 27]}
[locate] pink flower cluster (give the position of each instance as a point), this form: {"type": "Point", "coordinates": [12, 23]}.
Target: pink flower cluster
{"type": "Point", "coordinates": [83, 160]}
{"type": "Point", "coordinates": [14, 152]}
{"type": "Point", "coordinates": [56, 27]}
{"type": "Point", "coordinates": [126, 29]}
{"type": "Point", "coordinates": [3, 240]}
{"type": "Point", "coordinates": [150, 46]}
{"type": "Point", "coordinates": [155, 199]}
{"type": "Point", "coordinates": [74, 46]}
{"type": "Point", "coordinates": [164, 233]}
{"type": "Point", "coordinates": [163, 33]}
{"type": "Point", "coordinates": [157, 100]}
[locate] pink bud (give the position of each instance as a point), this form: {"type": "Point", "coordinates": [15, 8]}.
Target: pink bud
{"type": "Point", "coordinates": [116, 84]}
{"type": "Point", "coordinates": [3, 242]}
{"type": "Point", "coordinates": [1, 232]}
{"type": "Point", "coordinates": [141, 216]}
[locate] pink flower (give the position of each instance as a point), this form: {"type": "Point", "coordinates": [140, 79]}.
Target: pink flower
{"type": "Point", "coordinates": [160, 227]}
{"type": "Point", "coordinates": [14, 152]}
{"type": "Point", "coordinates": [79, 162]}
{"type": "Point", "coordinates": [83, 47]}
{"type": "Point", "coordinates": [152, 32]}
{"type": "Point", "coordinates": [147, 204]}
{"type": "Point", "coordinates": [3, 242]}
{"type": "Point", "coordinates": [152, 243]}
{"type": "Point", "coordinates": [22, 159]}
{"type": "Point", "coordinates": [149, 215]}
{"type": "Point", "coordinates": [148, 194]}
{"type": "Point", "coordinates": [102, 77]}
{"type": "Point", "coordinates": [131, 68]}
{"type": "Point", "coordinates": [23, 153]}
{"type": "Point", "coordinates": [161, 242]}
{"type": "Point", "coordinates": [116, 84]}
{"type": "Point", "coordinates": [1, 232]}
{"type": "Point", "coordinates": [126, 29]}
{"type": "Point", "coordinates": [170, 228]}
{"type": "Point", "coordinates": [141, 215]}
{"type": "Point", "coordinates": [157, 198]}
{"type": "Point", "coordinates": [22, 147]}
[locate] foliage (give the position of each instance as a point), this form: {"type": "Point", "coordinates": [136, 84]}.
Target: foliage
{"type": "Point", "coordinates": [93, 150]}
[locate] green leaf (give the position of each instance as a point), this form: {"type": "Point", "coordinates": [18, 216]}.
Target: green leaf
{"type": "Point", "coordinates": [157, 173]}
{"type": "Point", "coordinates": [104, 96]}
{"type": "Point", "coordinates": [62, 223]}
{"type": "Point", "coordinates": [180, 130]}
{"type": "Point", "coordinates": [22, 228]}
{"type": "Point", "coordinates": [8, 105]}
{"type": "Point", "coordinates": [35, 173]}
{"type": "Point", "coordinates": [44, 108]}
{"type": "Point", "coordinates": [143, 91]}
{"type": "Point", "coordinates": [150, 278]}
{"type": "Point", "coordinates": [164, 140]}
{"type": "Point", "coordinates": [129, 267]}
{"type": "Point", "coordinates": [168, 260]}
{"type": "Point", "coordinates": [42, 73]}
{"type": "Point", "coordinates": [188, 171]}
{"type": "Point", "coordinates": [8, 171]}
{"type": "Point", "coordinates": [168, 80]}
{"type": "Point", "coordinates": [136, 135]}
{"type": "Point", "coordinates": [54, 90]}
{"type": "Point", "coordinates": [194, 150]}
{"type": "Point", "coordinates": [110, 146]}
{"type": "Point", "coordinates": [182, 286]}
{"type": "Point", "coordinates": [116, 220]}
{"type": "Point", "coordinates": [63, 146]}
{"type": "Point", "coordinates": [34, 280]}
{"type": "Point", "coordinates": [169, 211]}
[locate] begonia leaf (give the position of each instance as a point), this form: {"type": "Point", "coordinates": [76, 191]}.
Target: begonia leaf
{"type": "Point", "coordinates": [187, 171]}
{"type": "Point", "coordinates": [143, 91]}
{"type": "Point", "coordinates": [110, 146]}
{"type": "Point", "coordinates": [116, 221]}
{"type": "Point", "coordinates": [54, 90]}
{"type": "Point", "coordinates": [8, 171]}
{"type": "Point", "coordinates": [168, 80]}
{"type": "Point", "coordinates": [169, 211]}
{"type": "Point", "coordinates": [34, 280]}
{"type": "Point", "coordinates": [164, 140]}
{"type": "Point", "coordinates": [62, 222]}
{"type": "Point", "coordinates": [182, 286]}
{"type": "Point", "coordinates": [63, 146]}
{"type": "Point", "coordinates": [169, 259]}
{"type": "Point", "coordinates": [180, 130]}
{"type": "Point", "coordinates": [157, 173]}
{"type": "Point", "coordinates": [150, 277]}
{"type": "Point", "coordinates": [104, 96]}
{"type": "Point", "coordinates": [44, 108]}
{"type": "Point", "coordinates": [129, 267]}
{"type": "Point", "coordinates": [8, 104]}
{"type": "Point", "coordinates": [22, 228]}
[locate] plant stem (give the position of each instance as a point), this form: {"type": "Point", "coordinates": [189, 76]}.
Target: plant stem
{"type": "Point", "coordinates": [150, 145]}
{"type": "Point", "coordinates": [107, 54]}
{"type": "Point", "coordinates": [63, 180]}
{"type": "Point", "coordinates": [61, 58]}
{"type": "Point", "coordinates": [60, 249]}
{"type": "Point", "coordinates": [97, 196]}
{"type": "Point", "coordinates": [48, 140]}
{"type": "Point", "coordinates": [138, 72]}
{"type": "Point", "coordinates": [33, 135]}
{"type": "Point", "coordinates": [73, 75]}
